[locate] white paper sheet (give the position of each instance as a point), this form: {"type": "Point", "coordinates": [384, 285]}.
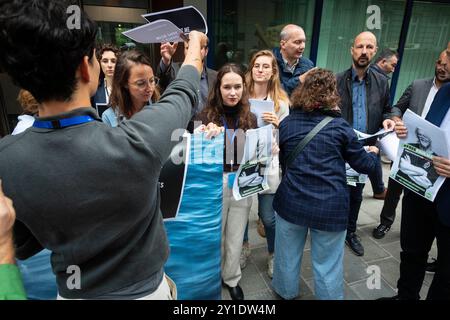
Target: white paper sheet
{"type": "Point", "coordinates": [155, 32]}
{"type": "Point", "coordinates": [258, 107]}
{"type": "Point", "coordinates": [251, 177]}
{"type": "Point", "coordinates": [413, 166]}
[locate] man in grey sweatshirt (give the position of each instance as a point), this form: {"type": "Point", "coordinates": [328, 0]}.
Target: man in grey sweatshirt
{"type": "Point", "coordinates": [86, 191]}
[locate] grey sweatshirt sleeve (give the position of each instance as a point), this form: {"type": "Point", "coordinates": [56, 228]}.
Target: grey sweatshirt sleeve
{"type": "Point", "coordinates": [156, 124]}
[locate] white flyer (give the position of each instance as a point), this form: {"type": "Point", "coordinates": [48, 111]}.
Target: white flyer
{"type": "Point", "coordinates": [258, 107]}
{"type": "Point", "coordinates": [251, 177]}
{"type": "Point", "coordinates": [413, 166]}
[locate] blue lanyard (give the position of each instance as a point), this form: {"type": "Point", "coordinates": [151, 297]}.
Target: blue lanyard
{"type": "Point", "coordinates": [59, 124]}
{"type": "Point", "coordinates": [236, 125]}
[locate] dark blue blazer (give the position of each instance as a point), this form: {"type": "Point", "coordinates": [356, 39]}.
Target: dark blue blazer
{"type": "Point", "coordinates": [442, 103]}
{"type": "Point", "coordinates": [100, 95]}
{"type": "Point", "coordinates": [313, 191]}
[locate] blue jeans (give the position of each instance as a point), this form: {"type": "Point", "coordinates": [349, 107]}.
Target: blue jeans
{"type": "Point", "coordinates": [267, 215]}
{"type": "Point", "coordinates": [327, 253]}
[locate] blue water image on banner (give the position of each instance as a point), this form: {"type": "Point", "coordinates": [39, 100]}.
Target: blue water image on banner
{"type": "Point", "coordinates": [38, 278]}
{"type": "Point", "coordinates": [195, 234]}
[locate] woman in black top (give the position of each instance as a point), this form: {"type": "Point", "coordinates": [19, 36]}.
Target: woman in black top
{"type": "Point", "coordinates": [228, 107]}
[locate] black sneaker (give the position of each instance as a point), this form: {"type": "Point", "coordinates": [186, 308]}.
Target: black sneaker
{"type": "Point", "coordinates": [380, 231]}
{"type": "Point", "coordinates": [431, 266]}
{"type": "Point", "coordinates": [354, 243]}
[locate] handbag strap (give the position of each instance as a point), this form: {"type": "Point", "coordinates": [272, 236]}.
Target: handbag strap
{"type": "Point", "coordinates": [294, 153]}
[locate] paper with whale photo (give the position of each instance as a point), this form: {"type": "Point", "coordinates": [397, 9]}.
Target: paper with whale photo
{"type": "Point", "coordinates": [252, 175]}
{"type": "Point", "coordinates": [413, 166]}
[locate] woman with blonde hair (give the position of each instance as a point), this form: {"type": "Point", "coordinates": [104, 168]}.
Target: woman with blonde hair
{"type": "Point", "coordinates": [263, 82]}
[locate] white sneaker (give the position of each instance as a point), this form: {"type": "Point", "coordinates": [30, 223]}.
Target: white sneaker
{"type": "Point", "coordinates": [245, 253]}
{"type": "Point", "coordinates": [270, 265]}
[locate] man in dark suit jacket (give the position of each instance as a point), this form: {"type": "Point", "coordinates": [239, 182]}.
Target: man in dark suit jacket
{"type": "Point", "coordinates": [417, 97]}
{"type": "Point", "coordinates": [365, 104]}
{"type": "Point", "coordinates": [167, 71]}
{"type": "Point", "coordinates": [423, 220]}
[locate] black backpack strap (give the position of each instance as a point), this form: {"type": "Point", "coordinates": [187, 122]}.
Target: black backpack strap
{"type": "Point", "coordinates": [294, 153]}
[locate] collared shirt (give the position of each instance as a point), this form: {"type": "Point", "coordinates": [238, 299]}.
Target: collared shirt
{"type": "Point", "coordinates": [359, 102]}
{"type": "Point", "coordinates": [287, 67]}
{"type": "Point", "coordinates": [434, 89]}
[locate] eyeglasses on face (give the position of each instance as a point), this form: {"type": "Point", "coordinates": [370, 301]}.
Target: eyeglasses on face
{"type": "Point", "coordinates": [142, 83]}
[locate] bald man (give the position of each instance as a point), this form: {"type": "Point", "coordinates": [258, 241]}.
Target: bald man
{"type": "Point", "coordinates": [365, 104]}
{"type": "Point", "coordinates": [292, 64]}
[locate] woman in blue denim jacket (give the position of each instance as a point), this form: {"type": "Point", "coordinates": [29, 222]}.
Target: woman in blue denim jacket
{"type": "Point", "coordinates": [313, 194]}
{"type": "Point", "coordinates": [134, 87]}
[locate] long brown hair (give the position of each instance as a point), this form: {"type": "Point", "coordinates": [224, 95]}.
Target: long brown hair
{"type": "Point", "coordinates": [120, 99]}
{"type": "Point", "coordinates": [214, 107]}
{"type": "Point", "coordinates": [274, 89]}
{"type": "Point", "coordinates": [318, 91]}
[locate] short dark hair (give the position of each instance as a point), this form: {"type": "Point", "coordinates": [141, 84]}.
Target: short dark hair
{"type": "Point", "coordinates": [39, 51]}
{"type": "Point", "coordinates": [100, 50]}
{"type": "Point", "coordinates": [386, 54]}
{"type": "Point", "coordinates": [106, 47]}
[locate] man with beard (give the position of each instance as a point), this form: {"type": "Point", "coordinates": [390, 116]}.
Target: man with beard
{"type": "Point", "coordinates": [423, 220]}
{"type": "Point", "coordinates": [365, 104]}
{"type": "Point", "coordinates": [293, 66]}
{"type": "Point", "coordinates": [417, 97]}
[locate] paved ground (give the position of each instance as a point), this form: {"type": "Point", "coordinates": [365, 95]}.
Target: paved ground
{"type": "Point", "coordinates": [384, 253]}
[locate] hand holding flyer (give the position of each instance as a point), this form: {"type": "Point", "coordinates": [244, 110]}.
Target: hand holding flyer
{"type": "Point", "coordinates": [414, 166]}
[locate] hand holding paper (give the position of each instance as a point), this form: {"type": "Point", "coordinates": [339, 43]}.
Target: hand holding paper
{"type": "Point", "coordinates": [271, 117]}
{"type": "Point", "coordinates": [401, 130]}
{"type": "Point", "coordinates": [388, 124]}
{"type": "Point", "coordinates": [373, 149]}
{"type": "Point", "coordinates": [193, 55]}
{"type": "Point", "coordinates": [442, 166]}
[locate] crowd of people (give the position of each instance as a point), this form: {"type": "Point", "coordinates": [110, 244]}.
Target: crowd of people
{"type": "Point", "coordinates": [105, 219]}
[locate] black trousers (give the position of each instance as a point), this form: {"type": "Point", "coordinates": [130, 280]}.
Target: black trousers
{"type": "Point", "coordinates": [355, 204]}
{"type": "Point", "coordinates": [419, 226]}
{"type": "Point", "coordinates": [394, 191]}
